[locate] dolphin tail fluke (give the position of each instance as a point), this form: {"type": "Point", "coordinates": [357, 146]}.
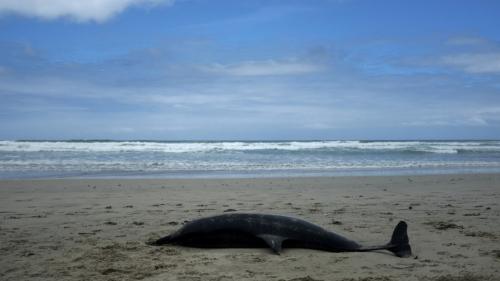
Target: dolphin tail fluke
{"type": "Point", "coordinates": [399, 244]}
{"type": "Point", "coordinates": [161, 241]}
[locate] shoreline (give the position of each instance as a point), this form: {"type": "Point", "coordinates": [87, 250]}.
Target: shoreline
{"type": "Point", "coordinates": [77, 229]}
{"type": "Point", "coordinates": [218, 175]}
{"type": "Point", "coordinates": [251, 178]}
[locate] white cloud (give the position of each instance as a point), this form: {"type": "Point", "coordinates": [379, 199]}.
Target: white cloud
{"type": "Point", "coordinates": [123, 130]}
{"type": "Point", "coordinates": [263, 68]}
{"type": "Point", "coordinates": [473, 116]}
{"type": "Point", "coordinates": [79, 10]}
{"type": "Point", "coordinates": [475, 63]}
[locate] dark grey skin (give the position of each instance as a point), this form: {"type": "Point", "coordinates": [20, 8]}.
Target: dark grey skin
{"type": "Point", "coordinates": [275, 231]}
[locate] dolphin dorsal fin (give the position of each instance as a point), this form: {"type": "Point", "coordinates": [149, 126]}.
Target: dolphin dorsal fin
{"type": "Point", "coordinates": [274, 241]}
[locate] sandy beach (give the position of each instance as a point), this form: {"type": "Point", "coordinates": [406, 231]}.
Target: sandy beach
{"type": "Point", "coordinates": [79, 229]}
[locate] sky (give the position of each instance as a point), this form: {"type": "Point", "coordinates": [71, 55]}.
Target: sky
{"type": "Point", "coordinates": [249, 70]}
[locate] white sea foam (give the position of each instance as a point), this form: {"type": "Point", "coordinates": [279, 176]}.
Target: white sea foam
{"type": "Point", "coordinates": [195, 147]}
{"type": "Point", "coordinates": [19, 158]}
{"type": "Point", "coordinates": [169, 166]}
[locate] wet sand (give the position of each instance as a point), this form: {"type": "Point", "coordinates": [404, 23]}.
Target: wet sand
{"type": "Point", "coordinates": [81, 229]}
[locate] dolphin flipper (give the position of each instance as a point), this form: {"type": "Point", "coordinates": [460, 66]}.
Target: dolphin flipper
{"type": "Point", "coordinates": [273, 241]}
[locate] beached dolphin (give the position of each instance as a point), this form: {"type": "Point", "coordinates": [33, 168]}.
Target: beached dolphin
{"type": "Point", "coordinates": [258, 230]}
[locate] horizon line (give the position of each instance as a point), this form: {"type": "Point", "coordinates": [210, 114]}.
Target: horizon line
{"type": "Point", "coordinates": [241, 140]}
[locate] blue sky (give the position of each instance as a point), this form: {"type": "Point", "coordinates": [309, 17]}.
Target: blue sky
{"type": "Point", "coordinates": [209, 69]}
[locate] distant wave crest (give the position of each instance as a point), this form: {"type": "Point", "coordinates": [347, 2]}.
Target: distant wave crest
{"type": "Point", "coordinates": [440, 147]}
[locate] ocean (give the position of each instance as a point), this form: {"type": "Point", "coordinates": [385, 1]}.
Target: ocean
{"type": "Point", "coordinates": [199, 159]}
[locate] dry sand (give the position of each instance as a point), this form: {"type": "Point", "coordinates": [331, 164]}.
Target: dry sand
{"type": "Point", "coordinates": [97, 229]}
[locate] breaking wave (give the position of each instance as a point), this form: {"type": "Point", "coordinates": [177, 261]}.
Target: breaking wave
{"type": "Point", "coordinates": [440, 147]}
{"type": "Point", "coordinates": [20, 159]}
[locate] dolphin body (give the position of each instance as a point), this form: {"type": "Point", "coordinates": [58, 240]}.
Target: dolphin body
{"type": "Point", "coordinates": [239, 230]}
